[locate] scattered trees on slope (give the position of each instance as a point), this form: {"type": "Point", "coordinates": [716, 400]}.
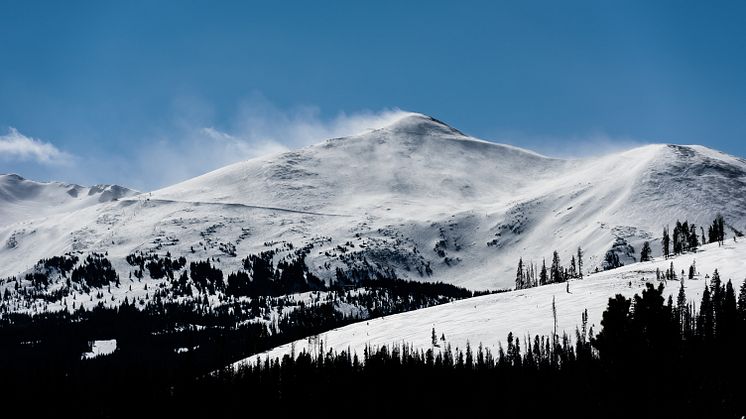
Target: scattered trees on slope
{"type": "Point", "coordinates": [529, 275]}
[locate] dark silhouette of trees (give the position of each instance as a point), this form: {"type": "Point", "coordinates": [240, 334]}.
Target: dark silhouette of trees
{"type": "Point", "coordinates": [555, 273]}
{"type": "Point", "coordinates": [520, 281]}
{"type": "Point", "coordinates": [666, 242]}
{"type": "Point", "coordinates": [645, 252]}
{"type": "Point", "coordinates": [716, 231]}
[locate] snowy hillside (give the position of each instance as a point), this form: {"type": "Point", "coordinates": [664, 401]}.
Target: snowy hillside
{"type": "Point", "coordinates": [22, 199]}
{"type": "Point", "coordinates": [417, 197]}
{"type": "Point", "coordinates": [489, 319]}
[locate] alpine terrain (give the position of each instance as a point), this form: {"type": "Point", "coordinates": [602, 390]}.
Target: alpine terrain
{"type": "Point", "coordinates": [417, 199]}
{"type": "Point", "coordinates": [404, 251]}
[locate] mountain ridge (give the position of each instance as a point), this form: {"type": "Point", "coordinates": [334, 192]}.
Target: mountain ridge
{"type": "Point", "coordinates": [23, 199]}
{"type": "Point", "coordinates": [416, 196]}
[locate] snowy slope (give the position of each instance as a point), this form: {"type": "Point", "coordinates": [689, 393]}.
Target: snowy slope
{"type": "Point", "coordinates": [416, 196]}
{"type": "Point", "coordinates": [489, 319]}
{"type": "Point", "coordinates": [22, 199]}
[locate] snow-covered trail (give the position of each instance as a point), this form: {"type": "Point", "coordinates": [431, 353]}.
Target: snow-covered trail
{"type": "Point", "coordinates": [239, 205]}
{"type": "Point", "coordinates": [489, 319]}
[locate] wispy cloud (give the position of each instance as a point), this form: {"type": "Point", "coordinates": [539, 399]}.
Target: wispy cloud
{"type": "Point", "coordinates": [258, 129]}
{"type": "Point", "coordinates": [16, 146]}
{"type": "Point", "coordinates": [579, 146]}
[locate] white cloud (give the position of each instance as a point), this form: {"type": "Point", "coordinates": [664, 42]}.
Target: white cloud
{"type": "Point", "coordinates": [16, 146]}
{"type": "Point", "coordinates": [259, 129]}
{"type": "Point", "coordinates": [572, 147]}
{"type": "Point", "coordinates": [259, 120]}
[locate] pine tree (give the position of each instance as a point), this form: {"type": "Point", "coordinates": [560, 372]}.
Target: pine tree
{"type": "Point", "coordinates": [705, 320]}
{"type": "Point", "coordinates": [573, 272]}
{"type": "Point", "coordinates": [681, 306]}
{"type": "Point", "coordinates": [717, 295]}
{"type": "Point", "coordinates": [555, 274]}
{"type": "Point", "coordinates": [666, 242]}
{"type": "Point", "coordinates": [434, 338]}
{"type": "Point", "coordinates": [715, 284]}
{"type": "Point", "coordinates": [741, 306]}
{"type": "Point", "coordinates": [717, 230]}
{"type": "Point", "coordinates": [543, 275]}
{"type": "Point", "coordinates": [519, 276]}
{"type": "Point", "coordinates": [611, 260]}
{"type": "Point", "coordinates": [554, 318]}
{"type": "Point", "coordinates": [580, 262]}
{"type": "Point", "coordinates": [729, 315]}
{"type": "Point", "coordinates": [677, 238]}
{"type": "Point", "coordinates": [693, 240]}
{"type": "Point", "coordinates": [645, 252]}
{"type": "Point", "coordinates": [671, 272]}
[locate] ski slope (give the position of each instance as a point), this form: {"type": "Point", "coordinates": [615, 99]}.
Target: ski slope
{"type": "Point", "coordinates": [417, 196]}
{"type": "Point", "coordinates": [487, 320]}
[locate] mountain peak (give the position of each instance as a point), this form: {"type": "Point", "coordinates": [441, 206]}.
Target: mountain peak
{"type": "Point", "coordinates": [420, 124]}
{"type": "Point", "coordinates": [11, 177]}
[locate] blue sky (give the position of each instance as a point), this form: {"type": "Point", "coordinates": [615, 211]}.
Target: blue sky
{"type": "Point", "coordinates": [148, 93]}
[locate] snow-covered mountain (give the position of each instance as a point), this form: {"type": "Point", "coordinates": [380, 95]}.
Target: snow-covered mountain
{"type": "Point", "coordinates": [22, 199]}
{"type": "Point", "coordinates": [417, 197]}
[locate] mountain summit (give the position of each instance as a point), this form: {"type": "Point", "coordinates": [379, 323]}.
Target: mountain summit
{"type": "Point", "coordinates": [422, 125]}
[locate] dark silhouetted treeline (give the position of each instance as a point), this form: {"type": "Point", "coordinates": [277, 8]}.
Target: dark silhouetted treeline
{"type": "Point", "coordinates": [653, 357]}
{"type": "Point", "coordinates": [164, 345]}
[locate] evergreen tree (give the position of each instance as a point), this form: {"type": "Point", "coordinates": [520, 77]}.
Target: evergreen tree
{"type": "Point", "coordinates": [717, 230]}
{"type": "Point", "coordinates": [666, 242]}
{"type": "Point", "coordinates": [645, 252]}
{"type": "Point", "coordinates": [717, 296]}
{"type": "Point", "coordinates": [684, 239]}
{"type": "Point", "coordinates": [726, 325]}
{"type": "Point", "coordinates": [554, 319]}
{"type": "Point", "coordinates": [529, 278]}
{"type": "Point", "coordinates": [613, 340]}
{"type": "Point", "coordinates": [705, 320]}
{"type": "Point", "coordinates": [580, 262]}
{"type": "Point", "coordinates": [681, 307]}
{"type": "Point", "coordinates": [741, 306]}
{"type": "Point", "coordinates": [543, 280]}
{"type": "Point", "coordinates": [519, 276]}
{"type": "Point", "coordinates": [693, 240]}
{"type": "Point", "coordinates": [555, 274]}
{"type": "Point", "coordinates": [611, 260]}
{"type": "Point", "coordinates": [677, 233]}
{"type": "Point", "coordinates": [573, 272]}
